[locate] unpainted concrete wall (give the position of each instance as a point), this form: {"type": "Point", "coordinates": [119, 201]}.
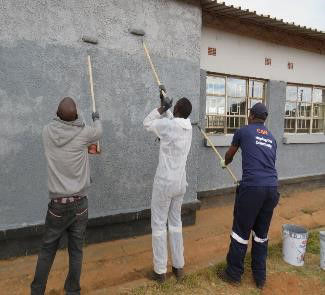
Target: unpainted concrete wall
{"type": "Point", "coordinates": [43, 59]}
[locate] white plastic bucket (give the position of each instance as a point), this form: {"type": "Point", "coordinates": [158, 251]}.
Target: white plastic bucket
{"type": "Point", "coordinates": [294, 244]}
{"type": "Point", "coordinates": [322, 249]}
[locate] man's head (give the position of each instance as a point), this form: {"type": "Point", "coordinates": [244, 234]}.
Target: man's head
{"type": "Point", "coordinates": [258, 113]}
{"type": "Point", "coordinates": [67, 110]}
{"type": "Point", "coordinates": [182, 108]}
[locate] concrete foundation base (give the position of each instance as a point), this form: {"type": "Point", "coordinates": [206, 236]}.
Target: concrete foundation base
{"type": "Point", "coordinates": [27, 240]}
{"type": "Point", "coordinates": [225, 196]}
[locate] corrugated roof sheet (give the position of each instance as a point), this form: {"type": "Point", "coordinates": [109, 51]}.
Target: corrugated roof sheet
{"type": "Point", "coordinates": [220, 8]}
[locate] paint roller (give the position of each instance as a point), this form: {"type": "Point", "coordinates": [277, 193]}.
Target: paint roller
{"type": "Point", "coordinates": [141, 33]}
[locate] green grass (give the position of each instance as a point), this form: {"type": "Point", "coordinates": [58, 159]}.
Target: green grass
{"type": "Point", "coordinates": [206, 281]}
{"type": "Point", "coordinates": [313, 245]}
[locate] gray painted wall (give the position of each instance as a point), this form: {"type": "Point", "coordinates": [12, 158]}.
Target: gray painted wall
{"type": "Point", "coordinates": [293, 160]}
{"type": "Point", "coordinates": [42, 59]}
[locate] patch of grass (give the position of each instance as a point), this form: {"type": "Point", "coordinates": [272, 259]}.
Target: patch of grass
{"type": "Point", "coordinates": [251, 292]}
{"type": "Point", "coordinates": [275, 251]}
{"type": "Point", "coordinates": [139, 291]}
{"type": "Point", "coordinates": [206, 281]}
{"type": "Point", "coordinates": [219, 267]}
{"type": "Point", "coordinates": [313, 245]}
{"type": "Point", "coordinates": [193, 280]}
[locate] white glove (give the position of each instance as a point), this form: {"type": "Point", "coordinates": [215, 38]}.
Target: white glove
{"type": "Point", "coordinates": [223, 164]}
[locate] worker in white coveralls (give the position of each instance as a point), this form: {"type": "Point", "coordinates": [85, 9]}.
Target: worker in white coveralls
{"type": "Point", "coordinates": [175, 134]}
{"type": "Point", "coordinates": [66, 140]}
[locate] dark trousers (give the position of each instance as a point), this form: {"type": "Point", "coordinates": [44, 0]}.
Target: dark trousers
{"type": "Point", "coordinates": [71, 218]}
{"type": "Point", "coordinates": [252, 212]}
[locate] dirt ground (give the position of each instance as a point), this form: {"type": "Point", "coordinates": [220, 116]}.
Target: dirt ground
{"type": "Point", "coordinates": [282, 278]}
{"type": "Point", "coordinates": [119, 266]}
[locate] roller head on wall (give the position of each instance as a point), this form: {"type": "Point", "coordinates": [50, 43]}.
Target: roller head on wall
{"type": "Point", "coordinates": [137, 32]}
{"type": "Point", "coordinates": [89, 39]}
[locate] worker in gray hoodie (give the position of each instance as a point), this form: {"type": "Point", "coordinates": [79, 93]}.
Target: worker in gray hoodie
{"type": "Point", "coordinates": [66, 140]}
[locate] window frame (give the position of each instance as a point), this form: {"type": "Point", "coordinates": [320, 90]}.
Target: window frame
{"type": "Point", "coordinates": [311, 118]}
{"type": "Point", "coordinates": [248, 98]}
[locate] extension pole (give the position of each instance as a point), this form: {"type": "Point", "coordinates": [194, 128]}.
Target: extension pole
{"type": "Point", "coordinates": [92, 92]}
{"type": "Point", "coordinates": [218, 154]}
{"type": "Point", "coordinates": [152, 65]}
{"type": "Point", "coordinates": [204, 134]}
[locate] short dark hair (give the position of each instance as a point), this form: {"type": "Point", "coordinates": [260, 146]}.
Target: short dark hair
{"type": "Point", "coordinates": [184, 107]}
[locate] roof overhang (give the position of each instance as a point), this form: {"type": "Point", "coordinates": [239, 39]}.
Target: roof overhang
{"type": "Point", "coordinates": [278, 31]}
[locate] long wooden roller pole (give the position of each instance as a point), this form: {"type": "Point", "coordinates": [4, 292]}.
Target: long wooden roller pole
{"type": "Point", "coordinates": [204, 134]}
{"type": "Point", "coordinates": [152, 65]}
{"type": "Point", "coordinates": [92, 92]}
{"type": "Point", "coordinates": [218, 154]}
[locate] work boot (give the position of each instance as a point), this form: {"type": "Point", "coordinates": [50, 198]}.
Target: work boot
{"type": "Point", "coordinates": [259, 284]}
{"type": "Point", "coordinates": [179, 273]}
{"type": "Point", "coordinates": [159, 278]}
{"type": "Point", "coordinates": [222, 275]}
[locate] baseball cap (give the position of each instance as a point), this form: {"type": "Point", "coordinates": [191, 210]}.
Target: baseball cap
{"type": "Point", "coordinates": [259, 111]}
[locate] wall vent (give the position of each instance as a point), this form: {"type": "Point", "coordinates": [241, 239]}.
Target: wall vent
{"type": "Point", "coordinates": [268, 61]}
{"type": "Point", "coordinates": [212, 51]}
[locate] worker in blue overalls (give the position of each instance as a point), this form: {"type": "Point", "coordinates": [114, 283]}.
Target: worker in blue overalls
{"type": "Point", "coordinates": [256, 197]}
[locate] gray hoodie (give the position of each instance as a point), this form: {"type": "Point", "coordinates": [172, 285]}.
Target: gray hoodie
{"type": "Point", "coordinates": [66, 151]}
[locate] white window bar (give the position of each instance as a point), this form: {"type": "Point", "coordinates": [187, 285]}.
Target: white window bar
{"type": "Point", "coordinates": [308, 113]}
{"type": "Point", "coordinates": [238, 95]}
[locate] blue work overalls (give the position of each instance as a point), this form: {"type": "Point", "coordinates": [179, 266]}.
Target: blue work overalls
{"type": "Point", "coordinates": [256, 198]}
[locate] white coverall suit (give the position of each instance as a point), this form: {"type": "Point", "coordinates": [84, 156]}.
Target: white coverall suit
{"type": "Point", "coordinates": [169, 187]}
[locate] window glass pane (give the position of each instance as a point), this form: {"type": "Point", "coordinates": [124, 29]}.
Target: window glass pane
{"type": "Point", "coordinates": [303, 126]}
{"type": "Point", "coordinates": [290, 109]}
{"type": "Point", "coordinates": [308, 110]}
{"type": "Point", "coordinates": [290, 125]}
{"type": "Point", "coordinates": [304, 109]}
{"type": "Point", "coordinates": [227, 101]}
{"type": "Point", "coordinates": [318, 111]}
{"type": "Point", "coordinates": [215, 124]}
{"type": "Point", "coordinates": [252, 102]}
{"type": "Point", "coordinates": [236, 87]}
{"type": "Point", "coordinates": [234, 123]}
{"type": "Point", "coordinates": [318, 95]}
{"type": "Point", "coordinates": [321, 112]}
{"type": "Point", "coordinates": [216, 85]}
{"type": "Point", "coordinates": [304, 94]}
{"type": "Point", "coordinates": [236, 106]}
{"type": "Point", "coordinates": [215, 105]}
{"type": "Point", "coordinates": [291, 93]}
{"type": "Point", "coordinates": [318, 126]}
{"type": "Point", "coordinates": [256, 89]}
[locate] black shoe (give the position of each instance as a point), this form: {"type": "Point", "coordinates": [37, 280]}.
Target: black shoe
{"type": "Point", "coordinates": [160, 278]}
{"type": "Point", "coordinates": [222, 275]}
{"type": "Point", "coordinates": [260, 284]}
{"type": "Point", "coordinates": [179, 273]}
